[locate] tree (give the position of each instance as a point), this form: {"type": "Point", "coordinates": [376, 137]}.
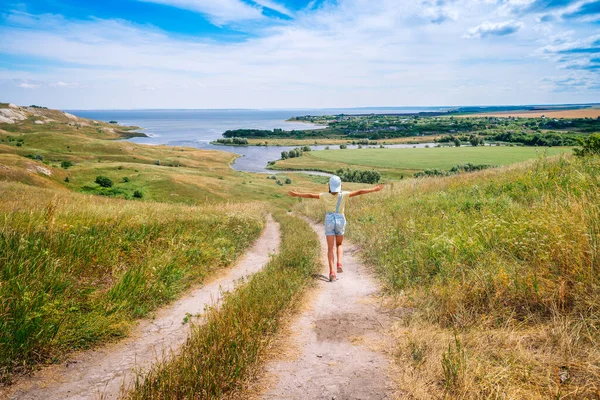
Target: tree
{"type": "Point", "coordinates": [137, 194]}
{"type": "Point", "coordinates": [285, 155]}
{"type": "Point", "coordinates": [66, 164]}
{"type": "Point", "coordinates": [590, 146]}
{"type": "Point", "coordinates": [104, 181]}
{"type": "Point", "coordinates": [457, 142]}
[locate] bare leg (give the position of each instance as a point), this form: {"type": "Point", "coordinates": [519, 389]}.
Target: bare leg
{"type": "Point", "coordinates": [330, 253]}
{"type": "Point", "coordinates": [339, 240]}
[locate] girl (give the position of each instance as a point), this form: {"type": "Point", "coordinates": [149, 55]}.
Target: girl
{"type": "Point", "coordinates": [335, 221]}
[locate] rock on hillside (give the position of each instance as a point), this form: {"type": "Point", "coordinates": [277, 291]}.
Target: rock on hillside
{"type": "Point", "coordinates": [11, 114]}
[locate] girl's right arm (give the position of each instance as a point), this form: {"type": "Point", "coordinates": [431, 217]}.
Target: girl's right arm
{"type": "Point", "coordinates": [293, 193]}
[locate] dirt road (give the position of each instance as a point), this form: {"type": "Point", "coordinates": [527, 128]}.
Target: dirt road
{"type": "Point", "coordinates": [100, 373]}
{"type": "Point", "coordinates": [340, 341]}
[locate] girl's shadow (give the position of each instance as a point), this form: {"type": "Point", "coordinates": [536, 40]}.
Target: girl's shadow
{"type": "Point", "coordinates": [320, 277]}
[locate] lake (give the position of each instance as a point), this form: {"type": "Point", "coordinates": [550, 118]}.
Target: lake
{"type": "Point", "coordinates": [197, 128]}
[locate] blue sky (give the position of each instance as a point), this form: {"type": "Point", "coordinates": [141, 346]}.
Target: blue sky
{"type": "Point", "coordinates": [298, 53]}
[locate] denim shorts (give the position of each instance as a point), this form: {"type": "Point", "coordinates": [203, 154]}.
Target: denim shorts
{"type": "Point", "coordinates": [335, 224]}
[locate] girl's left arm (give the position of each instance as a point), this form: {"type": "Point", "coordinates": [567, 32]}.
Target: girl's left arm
{"type": "Point", "coordinates": [293, 193]}
{"type": "Point", "coordinates": [366, 191]}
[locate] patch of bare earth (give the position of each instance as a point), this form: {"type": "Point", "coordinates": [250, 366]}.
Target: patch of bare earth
{"type": "Point", "coordinates": [103, 372]}
{"type": "Point", "coordinates": [339, 346]}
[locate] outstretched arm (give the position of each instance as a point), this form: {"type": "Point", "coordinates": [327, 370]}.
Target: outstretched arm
{"type": "Point", "coordinates": [366, 191]}
{"type": "Point", "coordinates": [293, 193]}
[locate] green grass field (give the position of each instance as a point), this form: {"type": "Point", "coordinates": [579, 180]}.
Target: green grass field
{"type": "Point", "coordinates": [401, 163]}
{"type": "Point", "coordinates": [437, 157]}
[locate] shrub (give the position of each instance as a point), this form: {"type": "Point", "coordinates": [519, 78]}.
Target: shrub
{"type": "Point", "coordinates": [66, 164]}
{"type": "Point", "coordinates": [157, 162]}
{"type": "Point", "coordinates": [38, 157]}
{"type": "Point", "coordinates": [67, 179]}
{"type": "Point", "coordinates": [288, 181]}
{"type": "Point", "coordinates": [137, 194]}
{"type": "Point", "coordinates": [285, 155]}
{"type": "Point", "coordinates": [343, 147]}
{"type": "Point", "coordinates": [358, 176]}
{"type": "Point", "coordinates": [125, 179]}
{"type": "Point", "coordinates": [279, 182]}
{"type": "Point", "coordinates": [234, 141]}
{"type": "Point", "coordinates": [104, 181]}
{"type": "Point", "coordinates": [590, 146]}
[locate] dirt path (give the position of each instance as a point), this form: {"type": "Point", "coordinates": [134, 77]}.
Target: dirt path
{"type": "Point", "coordinates": [100, 373]}
{"type": "Point", "coordinates": [340, 340]}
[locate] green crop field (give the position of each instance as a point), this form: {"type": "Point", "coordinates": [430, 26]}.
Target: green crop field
{"type": "Point", "coordinates": [441, 158]}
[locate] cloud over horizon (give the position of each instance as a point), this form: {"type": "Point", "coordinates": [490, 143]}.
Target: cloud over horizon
{"type": "Point", "coordinates": [292, 54]}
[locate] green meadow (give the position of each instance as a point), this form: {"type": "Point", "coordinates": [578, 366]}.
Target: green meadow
{"type": "Point", "coordinates": [394, 163]}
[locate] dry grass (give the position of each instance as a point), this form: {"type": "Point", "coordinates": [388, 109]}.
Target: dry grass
{"type": "Point", "coordinates": [582, 113]}
{"type": "Point", "coordinates": [77, 270]}
{"type": "Point", "coordinates": [507, 259]}
{"type": "Point", "coordinates": [222, 354]}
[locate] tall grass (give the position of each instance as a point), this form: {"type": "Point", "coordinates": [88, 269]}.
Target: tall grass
{"type": "Point", "coordinates": [221, 353]}
{"type": "Point", "coordinates": [79, 269]}
{"type": "Point", "coordinates": [503, 256]}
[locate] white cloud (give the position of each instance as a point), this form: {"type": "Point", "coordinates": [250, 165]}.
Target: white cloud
{"type": "Point", "coordinates": [493, 29]}
{"type": "Point", "coordinates": [218, 11]}
{"type": "Point", "coordinates": [26, 85]}
{"type": "Point", "coordinates": [274, 6]}
{"type": "Point", "coordinates": [344, 53]}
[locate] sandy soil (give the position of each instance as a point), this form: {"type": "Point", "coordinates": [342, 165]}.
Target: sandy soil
{"type": "Point", "coordinates": [583, 113]}
{"type": "Point", "coordinates": [101, 373]}
{"type": "Point", "coordinates": [339, 348]}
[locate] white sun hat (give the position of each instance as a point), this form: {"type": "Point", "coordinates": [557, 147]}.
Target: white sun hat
{"type": "Point", "coordinates": [335, 184]}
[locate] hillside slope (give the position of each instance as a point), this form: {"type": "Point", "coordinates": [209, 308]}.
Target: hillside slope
{"type": "Point", "coordinates": [501, 272]}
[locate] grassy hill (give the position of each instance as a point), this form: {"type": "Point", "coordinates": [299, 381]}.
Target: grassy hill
{"type": "Point", "coordinates": [496, 275]}
{"type": "Point", "coordinates": [81, 262]}
{"type": "Point", "coordinates": [493, 276]}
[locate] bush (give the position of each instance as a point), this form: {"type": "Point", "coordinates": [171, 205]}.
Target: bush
{"type": "Point", "coordinates": [358, 176]}
{"type": "Point", "coordinates": [590, 146]}
{"type": "Point", "coordinates": [38, 157]}
{"type": "Point", "coordinates": [157, 162]}
{"type": "Point", "coordinates": [343, 147]}
{"type": "Point", "coordinates": [279, 182]}
{"type": "Point", "coordinates": [288, 181]}
{"type": "Point", "coordinates": [67, 179]}
{"type": "Point", "coordinates": [66, 164]}
{"type": "Point", "coordinates": [234, 141]}
{"type": "Point", "coordinates": [125, 179]}
{"type": "Point", "coordinates": [137, 194]}
{"type": "Point", "coordinates": [285, 155]}
{"type": "Point", "coordinates": [104, 181]}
